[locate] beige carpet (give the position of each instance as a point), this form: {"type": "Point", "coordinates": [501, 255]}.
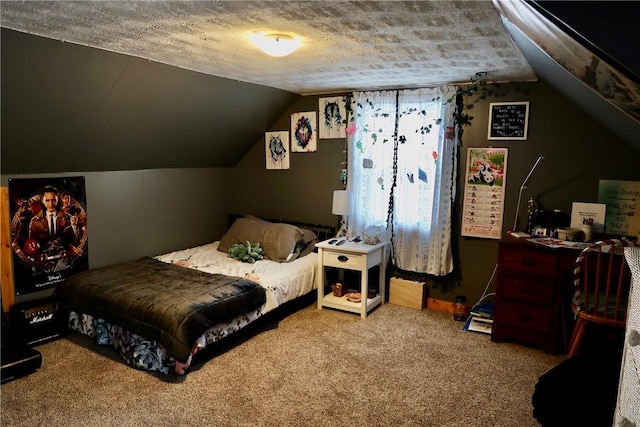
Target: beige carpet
{"type": "Point", "coordinates": [314, 367]}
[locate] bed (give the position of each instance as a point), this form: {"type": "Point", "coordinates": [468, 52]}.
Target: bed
{"type": "Point", "coordinates": [158, 312]}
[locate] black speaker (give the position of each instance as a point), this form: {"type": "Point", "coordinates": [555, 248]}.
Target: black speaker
{"type": "Point", "coordinates": [16, 359]}
{"type": "Point", "coordinates": [36, 322]}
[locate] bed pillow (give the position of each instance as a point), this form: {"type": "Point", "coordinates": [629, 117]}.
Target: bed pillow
{"type": "Point", "coordinates": [278, 240]}
{"type": "Point", "coordinates": [305, 245]}
{"type": "Point", "coordinates": [308, 242]}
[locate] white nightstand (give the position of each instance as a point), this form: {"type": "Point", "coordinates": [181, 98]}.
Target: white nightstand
{"type": "Point", "coordinates": [352, 256]}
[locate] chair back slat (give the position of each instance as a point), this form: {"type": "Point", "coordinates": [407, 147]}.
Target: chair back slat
{"type": "Point", "coordinates": [602, 282]}
{"type": "Point", "coordinates": [622, 278]}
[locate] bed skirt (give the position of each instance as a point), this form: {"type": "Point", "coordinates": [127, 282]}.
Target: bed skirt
{"type": "Point", "coordinates": [149, 355]}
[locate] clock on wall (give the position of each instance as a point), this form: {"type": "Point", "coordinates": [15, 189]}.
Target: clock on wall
{"type": "Point", "coordinates": [508, 120]}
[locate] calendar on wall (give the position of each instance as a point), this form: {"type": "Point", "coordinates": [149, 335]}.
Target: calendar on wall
{"type": "Point", "coordinates": [484, 193]}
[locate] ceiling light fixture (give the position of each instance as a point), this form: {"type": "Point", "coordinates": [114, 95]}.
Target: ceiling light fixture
{"type": "Point", "coordinates": [276, 44]}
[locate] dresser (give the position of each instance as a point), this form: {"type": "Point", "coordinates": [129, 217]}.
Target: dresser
{"type": "Point", "coordinates": [533, 294]}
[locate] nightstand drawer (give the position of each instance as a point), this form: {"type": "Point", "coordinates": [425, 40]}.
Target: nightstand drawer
{"type": "Point", "coordinates": [529, 261]}
{"type": "Point", "coordinates": [526, 288]}
{"type": "Point", "coordinates": [343, 260]}
{"type": "Point", "coordinates": [525, 316]}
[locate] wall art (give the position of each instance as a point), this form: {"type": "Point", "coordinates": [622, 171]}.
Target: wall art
{"type": "Point", "coordinates": [623, 206]}
{"type": "Point", "coordinates": [508, 120]}
{"type": "Point", "coordinates": [303, 132]}
{"type": "Point", "coordinates": [484, 192]}
{"type": "Point", "coordinates": [333, 118]}
{"type": "Point", "coordinates": [49, 234]}
{"type": "Point", "coordinates": [277, 149]}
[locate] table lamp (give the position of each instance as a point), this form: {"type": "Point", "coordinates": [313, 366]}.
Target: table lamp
{"type": "Point", "coordinates": [341, 206]}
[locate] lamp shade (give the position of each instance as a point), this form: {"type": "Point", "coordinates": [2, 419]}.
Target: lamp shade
{"type": "Point", "coordinates": [277, 44]}
{"type": "Point", "coordinates": [341, 204]}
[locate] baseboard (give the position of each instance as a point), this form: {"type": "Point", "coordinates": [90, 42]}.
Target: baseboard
{"type": "Point", "coordinates": [440, 305]}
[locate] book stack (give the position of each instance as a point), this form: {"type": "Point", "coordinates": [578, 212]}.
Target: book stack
{"type": "Point", "coordinates": [480, 318]}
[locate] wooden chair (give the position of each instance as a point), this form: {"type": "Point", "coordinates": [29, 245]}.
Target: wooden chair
{"type": "Point", "coordinates": [602, 281]}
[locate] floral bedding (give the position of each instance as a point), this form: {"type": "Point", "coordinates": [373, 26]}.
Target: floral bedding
{"type": "Point", "coordinates": [282, 282]}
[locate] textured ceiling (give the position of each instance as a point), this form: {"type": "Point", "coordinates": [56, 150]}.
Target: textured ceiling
{"type": "Point", "coordinates": [347, 45]}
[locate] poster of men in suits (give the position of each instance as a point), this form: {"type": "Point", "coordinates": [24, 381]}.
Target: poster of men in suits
{"type": "Point", "coordinates": [49, 238]}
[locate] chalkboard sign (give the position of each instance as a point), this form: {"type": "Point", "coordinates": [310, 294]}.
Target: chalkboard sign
{"type": "Point", "coordinates": [508, 120]}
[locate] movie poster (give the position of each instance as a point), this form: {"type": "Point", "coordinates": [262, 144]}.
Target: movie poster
{"type": "Point", "coordinates": [48, 231]}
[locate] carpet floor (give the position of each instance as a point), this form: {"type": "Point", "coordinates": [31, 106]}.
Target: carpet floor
{"type": "Point", "coordinates": [398, 367]}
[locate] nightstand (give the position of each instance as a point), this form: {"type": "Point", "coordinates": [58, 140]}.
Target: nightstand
{"type": "Point", "coordinates": [351, 256]}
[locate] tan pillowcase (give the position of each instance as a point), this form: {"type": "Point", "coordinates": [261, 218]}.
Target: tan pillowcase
{"type": "Point", "coordinates": [309, 241]}
{"type": "Point", "coordinates": [278, 240]}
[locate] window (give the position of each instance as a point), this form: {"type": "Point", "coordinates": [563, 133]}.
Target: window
{"type": "Point", "coordinates": [402, 158]}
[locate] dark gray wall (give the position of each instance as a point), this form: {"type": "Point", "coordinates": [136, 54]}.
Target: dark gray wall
{"type": "Point", "coordinates": [68, 108]}
{"type": "Point", "coordinates": [305, 191]}
{"type": "Point", "coordinates": [150, 212]}
{"type": "Point", "coordinates": [147, 211]}
{"type": "Point", "coordinates": [578, 152]}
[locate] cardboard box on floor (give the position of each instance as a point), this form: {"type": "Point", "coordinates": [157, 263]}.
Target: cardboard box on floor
{"type": "Point", "coordinates": [408, 293]}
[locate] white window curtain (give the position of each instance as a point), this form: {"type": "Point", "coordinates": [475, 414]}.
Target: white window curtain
{"type": "Point", "coordinates": [406, 177]}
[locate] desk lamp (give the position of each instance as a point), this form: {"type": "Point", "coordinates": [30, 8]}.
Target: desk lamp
{"type": "Point", "coordinates": [515, 231]}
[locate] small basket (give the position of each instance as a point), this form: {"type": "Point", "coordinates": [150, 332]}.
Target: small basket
{"type": "Point", "coordinates": [339, 290]}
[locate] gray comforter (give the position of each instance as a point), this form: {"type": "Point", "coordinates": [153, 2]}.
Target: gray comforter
{"type": "Point", "coordinates": [164, 302]}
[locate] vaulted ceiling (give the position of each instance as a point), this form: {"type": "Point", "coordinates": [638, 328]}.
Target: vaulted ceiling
{"type": "Point", "coordinates": [347, 45]}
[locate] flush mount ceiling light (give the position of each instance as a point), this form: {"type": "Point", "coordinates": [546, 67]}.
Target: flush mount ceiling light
{"type": "Point", "coordinates": [276, 44]}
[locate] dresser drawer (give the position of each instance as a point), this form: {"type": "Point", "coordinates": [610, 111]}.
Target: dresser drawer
{"type": "Point", "coordinates": [526, 288]}
{"type": "Point", "coordinates": [343, 260]}
{"type": "Point", "coordinates": [525, 316]}
{"type": "Point", "coordinates": [528, 261]}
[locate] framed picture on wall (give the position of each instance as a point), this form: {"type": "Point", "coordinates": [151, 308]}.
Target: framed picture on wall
{"type": "Point", "coordinates": [508, 120]}
{"type": "Point", "coordinates": [304, 132]}
{"type": "Point", "coordinates": [333, 118]}
{"type": "Point", "coordinates": [277, 149]}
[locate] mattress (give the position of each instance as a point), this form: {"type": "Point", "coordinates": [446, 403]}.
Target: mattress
{"type": "Point", "coordinates": [282, 282]}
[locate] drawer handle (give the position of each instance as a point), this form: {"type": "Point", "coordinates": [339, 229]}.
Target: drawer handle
{"type": "Point", "coordinates": [529, 262]}
{"type": "Point", "coordinates": [343, 258]}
